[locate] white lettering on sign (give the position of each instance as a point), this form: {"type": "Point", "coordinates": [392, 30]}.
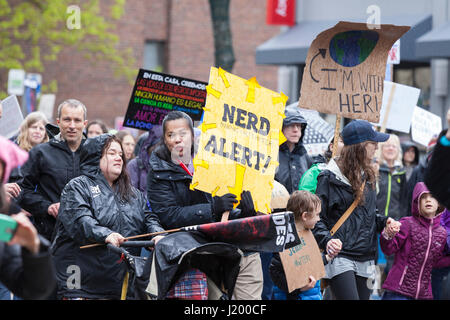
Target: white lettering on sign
{"type": "Point", "coordinates": [281, 8]}
{"type": "Point", "coordinates": [285, 234]}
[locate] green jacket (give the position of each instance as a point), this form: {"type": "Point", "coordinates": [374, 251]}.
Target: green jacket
{"type": "Point", "coordinates": [309, 178]}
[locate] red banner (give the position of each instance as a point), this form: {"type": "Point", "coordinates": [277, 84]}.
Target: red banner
{"type": "Point", "coordinates": [264, 233]}
{"type": "Point", "coordinates": [281, 12]}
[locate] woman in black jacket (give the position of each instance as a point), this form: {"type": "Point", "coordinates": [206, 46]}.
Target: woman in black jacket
{"type": "Point", "coordinates": [338, 186]}
{"type": "Point", "coordinates": [177, 205]}
{"type": "Point", "coordinates": [99, 206]}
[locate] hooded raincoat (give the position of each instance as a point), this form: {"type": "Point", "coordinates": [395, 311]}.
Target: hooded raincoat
{"type": "Point", "coordinates": [418, 247]}
{"type": "Point", "coordinates": [292, 164]}
{"type": "Point", "coordinates": [90, 211]}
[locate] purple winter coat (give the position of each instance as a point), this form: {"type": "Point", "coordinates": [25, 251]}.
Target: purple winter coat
{"type": "Point", "coordinates": [418, 247]}
{"type": "Point", "coordinates": [445, 222]}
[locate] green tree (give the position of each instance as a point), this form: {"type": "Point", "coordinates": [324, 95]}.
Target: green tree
{"type": "Point", "coordinates": [35, 31]}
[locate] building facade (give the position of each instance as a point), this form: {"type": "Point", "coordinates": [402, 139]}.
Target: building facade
{"type": "Point", "coordinates": [170, 36]}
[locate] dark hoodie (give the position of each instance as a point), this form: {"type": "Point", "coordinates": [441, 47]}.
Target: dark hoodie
{"type": "Point", "coordinates": [293, 164]}
{"type": "Point", "coordinates": [409, 168]}
{"type": "Point", "coordinates": [90, 211]}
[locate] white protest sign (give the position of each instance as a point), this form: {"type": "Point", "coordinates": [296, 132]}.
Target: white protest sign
{"type": "Point", "coordinates": [394, 53]}
{"type": "Point", "coordinates": [424, 126]}
{"type": "Point", "coordinates": [398, 104]}
{"type": "Point", "coordinates": [47, 104]}
{"type": "Point", "coordinates": [12, 117]}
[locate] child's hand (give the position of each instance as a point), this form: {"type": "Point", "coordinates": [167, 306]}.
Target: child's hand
{"type": "Point", "coordinates": [392, 228]}
{"type": "Point", "coordinates": [311, 284]}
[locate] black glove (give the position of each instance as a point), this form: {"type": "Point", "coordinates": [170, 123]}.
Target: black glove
{"type": "Point", "coordinates": [235, 214]}
{"type": "Point", "coordinates": [246, 205]}
{"type": "Point", "coordinates": [222, 204]}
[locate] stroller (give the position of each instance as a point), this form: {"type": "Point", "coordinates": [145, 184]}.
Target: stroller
{"type": "Point", "coordinates": [153, 277]}
{"type": "Point", "coordinates": [135, 275]}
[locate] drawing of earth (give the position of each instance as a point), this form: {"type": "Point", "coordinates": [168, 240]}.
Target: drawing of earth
{"type": "Point", "coordinates": [351, 48]}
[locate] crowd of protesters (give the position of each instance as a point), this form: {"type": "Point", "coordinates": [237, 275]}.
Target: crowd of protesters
{"type": "Point", "coordinates": [77, 183]}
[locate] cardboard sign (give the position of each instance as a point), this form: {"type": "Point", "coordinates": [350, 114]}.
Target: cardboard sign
{"type": "Point", "coordinates": [156, 94]}
{"type": "Point", "coordinates": [302, 261]}
{"type": "Point", "coordinates": [345, 70]}
{"type": "Point", "coordinates": [241, 132]}
{"type": "Point", "coordinates": [399, 102]}
{"type": "Point", "coordinates": [12, 117]}
{"type": "Point", "coordinates": [424, 126]}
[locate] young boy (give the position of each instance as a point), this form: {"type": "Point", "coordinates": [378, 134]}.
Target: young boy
{"type": "Point", "coordinates": [306, 208]}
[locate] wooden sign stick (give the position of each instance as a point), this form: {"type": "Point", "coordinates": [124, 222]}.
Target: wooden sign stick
{"type": "Point", "coordinates": [388, 108]}
{"type": "Point", "coordinates": [336, 134]}
{"type": "Point", "coordinates": [134, 237]}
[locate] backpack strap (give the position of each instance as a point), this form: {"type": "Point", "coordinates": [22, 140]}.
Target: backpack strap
{"type": "Point", "coordinates": [348, 212]}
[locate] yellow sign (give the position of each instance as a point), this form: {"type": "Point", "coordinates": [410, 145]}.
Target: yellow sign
{"type": "Point", "coordinates": [241, 134]}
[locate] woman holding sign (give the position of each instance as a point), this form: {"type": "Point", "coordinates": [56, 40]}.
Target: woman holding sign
{"type": "Point", "coordinates": [176, 205]}
{"type": "Point", "coordinates": [349, 182]}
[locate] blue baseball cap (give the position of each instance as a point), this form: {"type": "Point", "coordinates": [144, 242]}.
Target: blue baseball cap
{"type": "Point", "coordinates": [358, 131]}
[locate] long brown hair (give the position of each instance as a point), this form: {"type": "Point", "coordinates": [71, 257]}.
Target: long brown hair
{"type": "Point", "coordinates": [355, 166]}
{"type": "Point", "coordinates": [23, 140]}
{"type": "Point", "coordinates": [122, 184]}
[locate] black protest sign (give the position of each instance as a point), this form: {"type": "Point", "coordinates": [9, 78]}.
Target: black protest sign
{"type": "Point", "coordinates": [156, 94]}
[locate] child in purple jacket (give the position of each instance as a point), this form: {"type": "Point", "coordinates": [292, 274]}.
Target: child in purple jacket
{"type": "Point", "coordinates": [419, 246]}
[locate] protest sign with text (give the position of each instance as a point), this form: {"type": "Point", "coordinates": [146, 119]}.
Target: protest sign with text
{"type": "Point", "coordinates": [156, 94]}
{"type": "Point", "coordinates": [302, 261]}
{"type": "Point", "coordinates": [345, 70]}
{"type": "Point", "coordinates": [241, 132]}
{"type": "Point", "coordinates": [425, 126]}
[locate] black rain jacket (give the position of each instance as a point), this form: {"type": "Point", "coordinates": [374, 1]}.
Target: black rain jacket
{"type": "Point", "coordinates": [293, 164]}
{"type": "Point", "coordinates": [170, 197]}
{"type": "Point", "coordinates": [391, 197]}
{"type": "Point", "coordinates": [90, 211]}
{"type": "Point", "coordinates": [27, 275]}
{"type": "Point", "coordinates": [358, 234]}
{"type": "Point", "coordinates": [50, 167]}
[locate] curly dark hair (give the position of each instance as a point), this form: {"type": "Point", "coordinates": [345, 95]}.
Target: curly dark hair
{"type": "Point", "coordinates": [355, 166]}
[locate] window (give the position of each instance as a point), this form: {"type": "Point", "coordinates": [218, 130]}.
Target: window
{"type": "Point", "coordinates": [154, 56]}
{"type": "Point", "coordinates": [418, 77]}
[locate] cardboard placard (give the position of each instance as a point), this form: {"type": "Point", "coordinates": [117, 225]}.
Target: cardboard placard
{"type": "Point", "coordinates": [156, 94]}
{"type": "Point", "coordinates": [12, 117]}
{"type": "Point", "coordinates": [424, 126]}
{"type": "Point", "coordinates": [302, 261]}
{"type": "Point", "coordinates": [345, 70]}
{"type": "Point", "coordinates": [241, 134]}
{"type": "Point", "coordinates": [399, 102]}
